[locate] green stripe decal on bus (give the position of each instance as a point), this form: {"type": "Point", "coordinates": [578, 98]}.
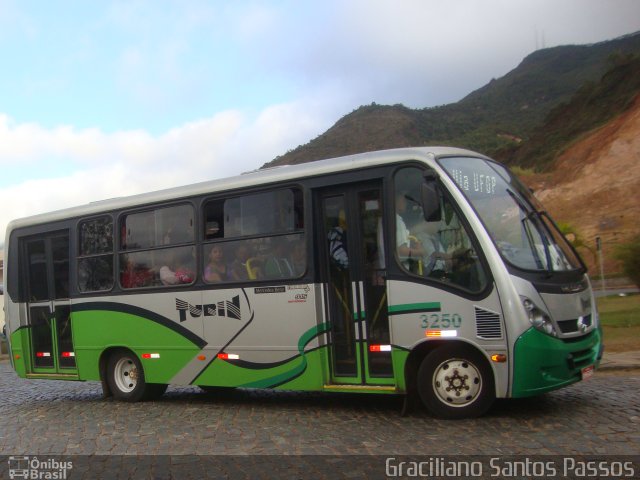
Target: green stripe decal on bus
{"type": "Point", "coordinates": [414, 308]}
{"type": "Point", "coordinates": [136, 329]}
{"type": "Point", "coordinates": [142, 313]}
{"type": "Point", "coordinates": [297, 370]}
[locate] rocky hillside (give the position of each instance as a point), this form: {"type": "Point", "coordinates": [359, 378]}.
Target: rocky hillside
{"type": "Point", "coordinates": [594, 185]}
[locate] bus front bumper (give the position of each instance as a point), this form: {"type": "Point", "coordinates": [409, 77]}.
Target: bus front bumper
{"type": "Point", "coordinates": [543, 363]}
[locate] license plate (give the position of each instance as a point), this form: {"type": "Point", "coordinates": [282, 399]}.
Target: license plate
{"type": "Point", "coordinates": [587, 372]}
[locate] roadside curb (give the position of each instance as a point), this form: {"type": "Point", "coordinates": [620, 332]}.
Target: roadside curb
{"type": "Point", "coordinates": [620, 361]}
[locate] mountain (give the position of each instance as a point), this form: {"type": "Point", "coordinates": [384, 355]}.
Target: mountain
{"type": "Point", "coordinates": [493, 119]}
{"type": "Point", "coordinates": [567, 119]}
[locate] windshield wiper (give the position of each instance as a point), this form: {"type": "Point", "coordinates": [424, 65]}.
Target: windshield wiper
{"type": "Point", "coordinates": [529, 214]}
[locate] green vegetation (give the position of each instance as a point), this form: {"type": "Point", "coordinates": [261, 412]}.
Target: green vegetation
{"type": "Point", "coordinates": [629, 255]}
{"type": "Point", "coordinates": [575, 238]}
{"type": "Point", "coordinates": [620, 319]}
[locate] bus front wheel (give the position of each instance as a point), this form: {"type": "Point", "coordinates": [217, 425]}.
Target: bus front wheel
{"type": "Point", "coordinates": [125, 377]}
{"type": "Point", "coordinates": [455, 381]}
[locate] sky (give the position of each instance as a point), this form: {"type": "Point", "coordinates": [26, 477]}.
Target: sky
{"type": "Point", "coordinates": [102, 99]}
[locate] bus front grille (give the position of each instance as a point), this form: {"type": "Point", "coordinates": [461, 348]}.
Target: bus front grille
{"type": "Point", "coordinates": [573, 325]}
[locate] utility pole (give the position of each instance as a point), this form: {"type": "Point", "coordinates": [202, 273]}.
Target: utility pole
{"type": "Point", "coordinates": [600, 260]}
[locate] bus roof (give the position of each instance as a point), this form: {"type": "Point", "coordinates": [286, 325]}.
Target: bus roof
{"type": "Point", "coordinates": [256, 177]}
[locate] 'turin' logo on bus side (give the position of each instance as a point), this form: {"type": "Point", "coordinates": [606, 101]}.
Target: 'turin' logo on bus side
{"type": "Point", "coordinates": [229, 309]}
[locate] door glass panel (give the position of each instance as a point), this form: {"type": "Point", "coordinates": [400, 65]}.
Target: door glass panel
{"type": "Point", "coordinates": [38, 289]}
{"type": "Point", "coordinates": [47, 262]}
{"type": "Point", "coordinates": [66, 354]}
{"type": "Point", "coordinates": [41, 336]}
{"type": "Point", "coordinates": [375, 296]}
{"type": "Point", "coordinates": [341, 312]}
{"type": "Point", "coordinates": [60, 255]}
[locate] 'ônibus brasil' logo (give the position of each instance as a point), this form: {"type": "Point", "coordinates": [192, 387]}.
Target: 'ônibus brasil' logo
{"type": "Point", "coordinates": [229, 309]}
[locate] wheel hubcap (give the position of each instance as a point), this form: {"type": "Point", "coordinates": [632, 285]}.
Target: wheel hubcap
{"type": "Point", "coordinates": [457, 382]}
{"type": "Point", "coordinates": [126, 375]}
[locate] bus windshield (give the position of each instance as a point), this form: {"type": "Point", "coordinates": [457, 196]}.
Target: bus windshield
{"type": "Point", "coordinates": [523, 232]}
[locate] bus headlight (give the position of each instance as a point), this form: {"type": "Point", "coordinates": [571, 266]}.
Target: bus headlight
{"type": "Point", "coordinates": [538, 318]}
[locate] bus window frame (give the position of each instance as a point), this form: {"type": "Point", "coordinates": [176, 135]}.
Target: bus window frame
{"type": "Point", "coordinates": [403, 273]}
{"type": "Point", "coordinates": [76, 257]}
{"type": "Point", "coordinates": [541, 279]}
{"type": "Point", "coordinates": [204, 243]}
{"type": "Point", "coordinates": [119, 250]}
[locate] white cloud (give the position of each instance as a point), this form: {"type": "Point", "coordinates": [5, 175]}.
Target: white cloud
{"type": "Point", "coordinates": [105, 165]}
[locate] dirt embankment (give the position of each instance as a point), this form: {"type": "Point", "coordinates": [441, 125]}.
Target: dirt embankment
{"type": "Point", "coordinates": [595, 186]}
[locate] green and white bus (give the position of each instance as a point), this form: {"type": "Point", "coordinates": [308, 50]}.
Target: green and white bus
{"type": "Point", "coordinates": [427, 272]}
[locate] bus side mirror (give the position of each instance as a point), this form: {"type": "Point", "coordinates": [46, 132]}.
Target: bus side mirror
{"type": "Point", "coordinates": [430, 197]}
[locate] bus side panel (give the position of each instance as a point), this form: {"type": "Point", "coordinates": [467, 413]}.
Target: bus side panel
{"type": "Point", "coordinates": [94, 331]}
{"type": "Point", "coordinates": [303, 372]}
{"type": "Point", "coordinates": [399, 358]}
{"type": "Point", "coordinates": [19, 340]}
{"type": "Point", "coordinates": [418, 311]}
{"type": "Point", "coordinates": [303, 369]}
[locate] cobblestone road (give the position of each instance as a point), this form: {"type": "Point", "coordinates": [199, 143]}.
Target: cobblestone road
{"type": "Point", "coordinates": [600, 416]}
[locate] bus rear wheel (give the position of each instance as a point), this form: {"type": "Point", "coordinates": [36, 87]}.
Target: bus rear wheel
{"type": "Point", "coordinates": [126, 380]}
{"type": "Point", "coordinates": [456, 381]}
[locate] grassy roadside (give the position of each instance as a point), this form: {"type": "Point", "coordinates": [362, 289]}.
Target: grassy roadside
{"type": "Point", "coordinates": [620, 319]}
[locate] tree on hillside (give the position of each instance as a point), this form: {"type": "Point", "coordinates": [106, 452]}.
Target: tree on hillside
{"type": "Point", "coordinates": [571, 234]}
{"type": "Point", "coordinates": [629, 254]}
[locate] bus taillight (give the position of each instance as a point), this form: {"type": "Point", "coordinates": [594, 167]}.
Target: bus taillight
{"type": "Point", "coordinates": [379, 348]}
{"type": "Point", "coordinates": [228, 356]}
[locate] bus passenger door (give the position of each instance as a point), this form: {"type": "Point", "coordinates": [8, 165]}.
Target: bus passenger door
{"type": "Point", "coordinates": [49, 308]}
{"type": "Point", "coordinates": [354, 278]}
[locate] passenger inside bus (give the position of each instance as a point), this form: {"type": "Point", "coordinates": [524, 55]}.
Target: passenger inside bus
{"type": "Point", "coordinates": [338, 243]}
{"type": "Point", "coordinates": [216, 270]}
{"type": "Point", "coordinates": [238, 268]}
{"type": "Point", "coordinates": [176, 271]}
{"type": "Point", "coordinates": [135, 275]}
{"type": "Point", "coordinates": [298, 256]}
{"type": "Point", "coordinates": [410, 250]}
{"type": "Point", "coordinates": [436, 260]}
{"type": "Point", "coordinates": [277, 265]}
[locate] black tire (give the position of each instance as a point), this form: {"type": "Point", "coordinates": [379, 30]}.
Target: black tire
{"type": "Point", "coordinates": [125, 377]}
{"type": "Point", "coordinates": [456, 381]}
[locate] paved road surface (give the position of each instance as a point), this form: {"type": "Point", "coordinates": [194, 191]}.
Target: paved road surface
{"type": "Point", "coordinates": [600, 416]}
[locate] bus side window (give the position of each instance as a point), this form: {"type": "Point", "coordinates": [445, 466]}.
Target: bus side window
{"type": "Point", "coordinates": [95, 258]}
{"type": "Point", "coordinates": [254, 237]}
{"type": "Point", "coordinates": [158, 247]}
